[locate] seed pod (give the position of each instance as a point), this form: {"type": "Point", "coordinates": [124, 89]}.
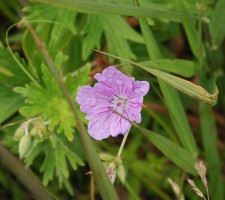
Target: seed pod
{"type": "Point", "coordinates": [24, 145]}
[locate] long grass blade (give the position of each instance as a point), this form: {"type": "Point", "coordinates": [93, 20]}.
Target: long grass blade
{"type": "Point", "coordinates": [180, 67]}
{"type": "Point", "coordinates": [187, 87]}
{"type": "Point", "coordinates": [101, 7]}
{"type": "Point", "coordinates": [209, 139]}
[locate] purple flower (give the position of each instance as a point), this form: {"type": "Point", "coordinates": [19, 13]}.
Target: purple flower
{"type": "Point", "coordinates": [114, 92]}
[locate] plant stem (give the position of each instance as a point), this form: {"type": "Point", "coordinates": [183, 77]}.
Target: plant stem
{"type": "Point", "coordinates": [24, 175]}
{"type": "Point", "coordinates": [16, 59]}
{"type": "Point", "coordinates": [103, 183]}
{"type": "Point", "coordinates": [122, 144]}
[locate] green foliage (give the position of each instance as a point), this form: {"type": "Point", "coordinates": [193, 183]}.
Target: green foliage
{"type": "Point", "coordinates": [172, 40]}
{"type": "Point", "coordinates": [216, 26]}
{"type": "Point", "coordinates": [117, 43]}
{"type": "Point", "coordinates": [58, 157]}
{"type": "Point", "coordinates": [10, 75]}
{"type": "Point", "coordinates": [10, 72]}
{"type": "Point", "coordinates": [48, 101]}
{"type": "Point", "coordinates": [45, 14]}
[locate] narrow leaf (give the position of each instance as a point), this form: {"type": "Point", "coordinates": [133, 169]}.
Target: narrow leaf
{"type": "Point", "coordinates": [217, 27]}
{"type": "Point", "coordinates": [183, 85]}
{"type": "Point", "coordinates": [181, 67]}
{"type": "Point", "coordinates": [171, 150]}
{"type": "Point", "coordinates": [100, 7]}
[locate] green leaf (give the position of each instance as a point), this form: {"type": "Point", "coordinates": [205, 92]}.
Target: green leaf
{"type": "Point", "coordinates": [210, 142]}
{"type": "Point", "coordinates": [42, 14]}
{"type": "Point", "coordinates": [186, 87]}
{"type": "Point", "coordinates": [180, 67]}
{"type": "Point", "coordinates": [60, 163]}
{"type": "Point", "coordinates": [170, 95]}
{"type": "Point", "coordinates": [49, 103]}
{"type": "Point", "coordinates": [189, 27]}
{"type": "Point", "coordinates": [10, 102]}
{"type": "Point", "coordinates": [48, 165]}
{"type": "Point", "coordinates": [216, 25]}
{"type": "Point", "coordinates": [101, 7]}
{"type": "Point", "coordinates": [98, 25]}
{"type": "Point", "coordinates": [182, 85]}
{"type": "Point", "coordinates": [171, 150]}
{"type": "Point", "coordinates": [10, 72]}
{"type": "Point", "coordinates": [78, 78]}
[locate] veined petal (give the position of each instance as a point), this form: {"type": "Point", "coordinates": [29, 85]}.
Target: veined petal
{"type": "Point", "coordinates": [141, 87]}
{"type": "Point", "coordinates": [86, 95]}
{"type": "Point", "coordinates": [114, 91]}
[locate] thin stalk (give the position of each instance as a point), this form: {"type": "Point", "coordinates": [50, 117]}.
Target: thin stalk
{"type": "Point", "coordinates": [103, 183]}
{"type": "Point", "coordinates": [181, 185]}
{"type": "Point", "coordinates": [15, 58]}
{"type": "Point", "coordinates": [122, 144]}
{"type": "Point", "coordinates": [200, 56]}
{"type": "Point", "coordinates": [92, 188]}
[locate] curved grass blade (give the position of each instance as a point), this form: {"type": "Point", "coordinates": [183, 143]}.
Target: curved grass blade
{"type": "Point", "coordinates": [180, 67]}
{"type": "Point", "coordinates": [182, 85]}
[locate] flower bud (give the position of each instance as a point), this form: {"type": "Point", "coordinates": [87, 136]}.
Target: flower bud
{"type": "Point", "coordinates": [19, 133]}
{"type": "Point", "coordinates": [111, 171]}
{"type": "Point", "coordinates": [121, 172]}
{"type": "Point", "coordinates": [106, 157]}
{"type": "Point", "coordinates": [24, 145]}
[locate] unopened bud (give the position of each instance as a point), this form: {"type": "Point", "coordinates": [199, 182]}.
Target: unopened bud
{"type": "Point", "coordinates": [111, 171]}
{"type": "Point", "coordinates": [121, 172]}
{"type": "Point", "coordinates": [106, 157]}
{"type": "Point", "coordinates": [19, 133]}
{"type": "Point", "coordinates": [24, 145]}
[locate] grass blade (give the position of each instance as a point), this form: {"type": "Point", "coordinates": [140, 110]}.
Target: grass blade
{"type": "Point", "coordinates": [189, 27]}
{"type": "Point", "coordinates": [180, 67]}
{"type": "Point", "coordinates": [209, 138]}
{"type": "Point", "coordinates": [100, 7]}
{"type": "Point", "coordinates": [217, 27]}
{"type": "Point", "coordinates": [180, 156]}
{"type": "Point", "coordinates": [182, 85]}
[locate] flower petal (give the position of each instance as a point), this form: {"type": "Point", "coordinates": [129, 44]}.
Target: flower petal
{"type": "Point", "coordinates": [141, 87]}
{"type": "Point", "coordinates": [86, 95]}
{"type": "Point", "coordinates": [114, 91]}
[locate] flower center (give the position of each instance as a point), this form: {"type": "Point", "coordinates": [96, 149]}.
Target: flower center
{"type": "Point", "coordinates": [118, 103]}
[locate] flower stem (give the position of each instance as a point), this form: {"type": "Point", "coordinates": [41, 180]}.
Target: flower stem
{"type": "Point", "coordinates": [105, 187]}
{"type": "Point", "coordinates": [122, 144]}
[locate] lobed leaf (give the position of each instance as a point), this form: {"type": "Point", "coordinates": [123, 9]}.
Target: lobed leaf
{"type": "Point", "coordinates": [117, 41]}
{"type": "Point", "coordinates": [45, 14]}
